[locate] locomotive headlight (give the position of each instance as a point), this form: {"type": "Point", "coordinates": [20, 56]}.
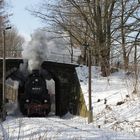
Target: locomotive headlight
{"type": "Point", "coordinates": [45, 101]}
{"type": "Point", "coordinates": [27, 100]}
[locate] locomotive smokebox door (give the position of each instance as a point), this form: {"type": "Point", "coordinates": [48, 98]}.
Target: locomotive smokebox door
{"type": "Point", "coordinates": [35, 71]}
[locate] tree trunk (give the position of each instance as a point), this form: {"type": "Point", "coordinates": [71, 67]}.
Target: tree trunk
{"type": "Point", "coordinates": [105, 62]}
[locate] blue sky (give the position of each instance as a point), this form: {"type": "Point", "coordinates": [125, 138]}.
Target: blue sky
{"type": "Point", "coordinates": [22, 19]}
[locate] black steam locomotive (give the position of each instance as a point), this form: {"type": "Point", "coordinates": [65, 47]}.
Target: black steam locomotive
{"type": "Point", "coordinates": [35, 98]}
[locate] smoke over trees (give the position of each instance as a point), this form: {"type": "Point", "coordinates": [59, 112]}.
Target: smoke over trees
{"type": "Point", "coordinates": [36, 51]}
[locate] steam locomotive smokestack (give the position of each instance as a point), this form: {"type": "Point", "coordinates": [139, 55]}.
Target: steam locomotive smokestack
{"type": "Point", "coordinates": [36, 51]}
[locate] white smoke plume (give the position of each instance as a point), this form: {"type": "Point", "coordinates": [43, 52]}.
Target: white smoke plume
{"type": "Point", "coordinates": [36, 51]}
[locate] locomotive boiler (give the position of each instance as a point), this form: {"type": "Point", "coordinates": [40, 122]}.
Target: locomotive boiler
{"type": "Point", "coordinates": [35, 99]}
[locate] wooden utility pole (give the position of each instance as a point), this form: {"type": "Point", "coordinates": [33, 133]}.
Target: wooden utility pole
{"type": "Point", "coordinates": [90, 114]}
{"type": "Point", "coordinates": [4, 76]}
{"type": "Point", "coordinates": [3, 85]}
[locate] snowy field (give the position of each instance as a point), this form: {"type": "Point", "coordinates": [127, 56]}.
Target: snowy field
{"type": "Point", "coordinates": [54, 128]}
{"type": "Point", "coordinates": [114, 105]}
{"type": "Point", "coordinates": [111, 121]}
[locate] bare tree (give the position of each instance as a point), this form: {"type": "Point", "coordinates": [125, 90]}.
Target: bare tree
{"type": "Point", "coordinates": [1, 14]}
{"type": "Point", "coordinates": [1, 20]}
{"type": "Point", "coordinates": [100, 23]}
{"type": "Point", "coordinates": [85, 22]}
{"type": "Point", "coordinates": [14, 43]}
{"type": "Point", "coordinates": [129, 27]}
{"type": "Point", "coordinates": [4, 21]}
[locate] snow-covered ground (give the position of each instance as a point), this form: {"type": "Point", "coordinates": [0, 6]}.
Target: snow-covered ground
{"type": "Point", "coordinates": [114, 105]}
{"type": "Point", "coordinates": [54, 128]}
{"type": "Point", "coordinates": [111, 121]}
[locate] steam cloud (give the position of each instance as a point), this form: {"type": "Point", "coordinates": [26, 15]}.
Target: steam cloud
{"type": "Point", "coordinates": [37, 50]}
